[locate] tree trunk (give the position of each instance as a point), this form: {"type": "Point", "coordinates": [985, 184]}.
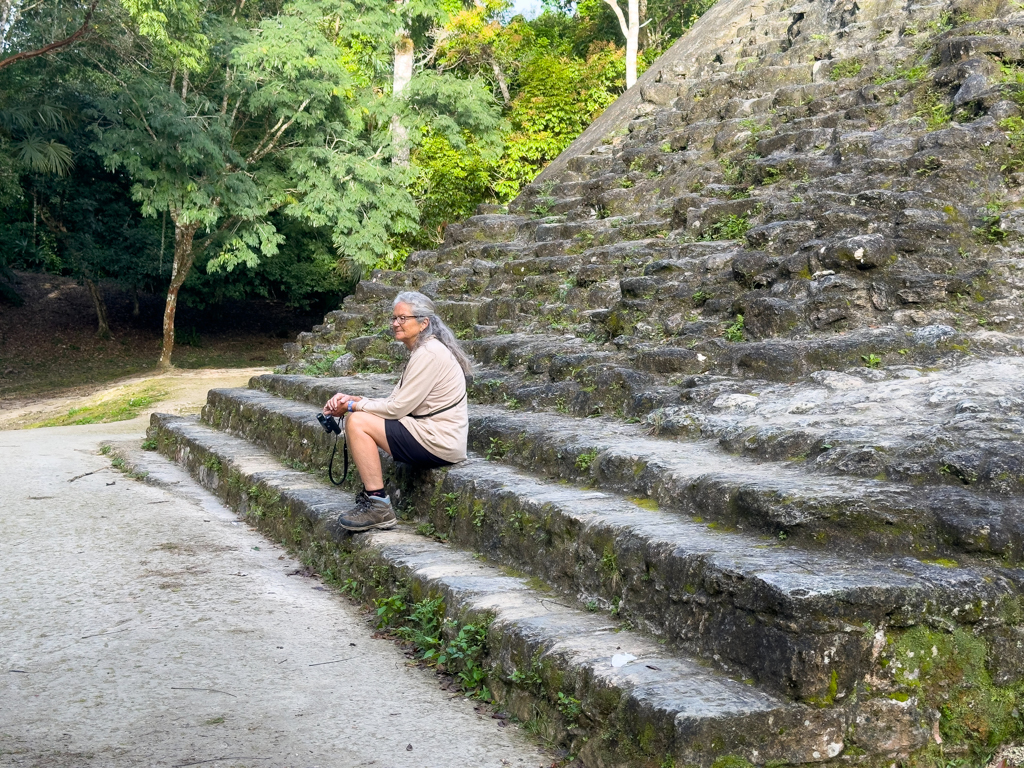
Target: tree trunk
{"type": "Point", "coordinates": [631, 31]}
{"type": "Point", "coordinates": [632, 42]}
{"type": "Point", "coordinates": [183, 256]}
{"type": "Point", "coordinates": [135, 301]}
{"type": "Point", "coordinates": [402, 78]}
{"type": "Point", "coordinates": [102, 326]}
{"type": "Point", "coordinates": [642, 17]}
{"type": "Point", "coordinates": [500, 77]}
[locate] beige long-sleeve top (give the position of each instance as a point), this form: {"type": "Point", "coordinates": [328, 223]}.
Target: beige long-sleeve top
{"type": "Point", "coordinates": [433, 379]}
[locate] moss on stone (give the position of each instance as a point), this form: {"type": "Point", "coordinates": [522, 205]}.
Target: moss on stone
{"type": "Point", "coordinates": [731, 761]}
{"type": "Point", "coordinates": [947, 670]}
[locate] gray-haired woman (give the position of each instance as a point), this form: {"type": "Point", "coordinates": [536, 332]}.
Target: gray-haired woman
{"type": "Point", "coordinates": [425, 420]}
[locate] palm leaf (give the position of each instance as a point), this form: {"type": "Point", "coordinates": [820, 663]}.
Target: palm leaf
{"type": "Point", "coordinates": [42, 155]}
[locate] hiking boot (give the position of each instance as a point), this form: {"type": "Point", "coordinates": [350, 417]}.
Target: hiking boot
{"type": "Point", "coordinates": [370, 512]}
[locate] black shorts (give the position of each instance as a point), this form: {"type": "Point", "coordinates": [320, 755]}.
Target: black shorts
{"type": "Point", "coordinates": [406, 449]}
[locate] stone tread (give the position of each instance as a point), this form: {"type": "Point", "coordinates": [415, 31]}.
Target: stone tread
{"type": "Point", "coordinates": [805, 612]}
{"type": "Point", "coordinates": [701, 480]}
{"type": "Point", "coordinates": [674, 688]}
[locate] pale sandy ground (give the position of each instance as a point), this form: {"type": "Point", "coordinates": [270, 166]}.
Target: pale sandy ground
{"type": "Point", "coordinates": [141, 626]}
{"type": "Point", "coordinates": [186, 390]}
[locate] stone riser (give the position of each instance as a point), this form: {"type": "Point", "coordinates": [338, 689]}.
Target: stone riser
{"type": "Point", "coordinates": [572, 548]}
{"type": "Point", "coordinates": [684, 596]}
{"type": "Point", "coordinates": [661, 707]}
{"type": "Point", "coordinates": [777, 500]}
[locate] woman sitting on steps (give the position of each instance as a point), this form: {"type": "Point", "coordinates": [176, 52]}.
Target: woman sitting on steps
{"type": "Point", "coordinates": [425, 420]}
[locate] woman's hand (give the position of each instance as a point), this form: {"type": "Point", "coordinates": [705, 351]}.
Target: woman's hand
{"type": "Point", "coordinates": [338, 405]}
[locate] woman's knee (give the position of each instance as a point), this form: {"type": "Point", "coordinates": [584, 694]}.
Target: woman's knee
{"type": "Point", "coordinates": [361, 422]}
{"type": "Point", "coordinates": [368, 424]}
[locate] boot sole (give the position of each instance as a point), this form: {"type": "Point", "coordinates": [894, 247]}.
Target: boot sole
{"type": "Point", "coordinates": [356, 528]}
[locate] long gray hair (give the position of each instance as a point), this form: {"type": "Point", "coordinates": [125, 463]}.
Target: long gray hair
{"type": "Point", "coordinates": [423, 308]}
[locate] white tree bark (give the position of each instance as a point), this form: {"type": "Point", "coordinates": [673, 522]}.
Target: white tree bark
{"type": "Point", "coordinates": [402, 78]}
{"type": "Point", "coordinates": [631, 31]}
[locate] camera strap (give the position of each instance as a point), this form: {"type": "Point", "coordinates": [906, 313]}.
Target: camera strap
{"type": "Point", "coordinates": [440, 410]}
{"type": "Point", "coordinates": [330, 464]}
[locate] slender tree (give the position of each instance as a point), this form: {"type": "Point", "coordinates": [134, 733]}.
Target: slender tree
{"type": "Point", "coordinates": [629, 23]}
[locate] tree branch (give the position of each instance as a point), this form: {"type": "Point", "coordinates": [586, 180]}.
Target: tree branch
{"type": "Point", "coordinates": [261, 151]}
{"type": "Point", "coordinates": [618, 14]}
{"type": "Point", "coordinates": [55, 45]}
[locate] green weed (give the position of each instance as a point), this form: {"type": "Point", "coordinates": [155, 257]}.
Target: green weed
{"type": "Point", "coordinates": [730, 228]}
{"type": "Point", "coordinates": [700, 297]}
{"type": "Point", "coordinates": [570, 707]}
{"type": "Point", "coordinates": [846, 68]}
{"type": "Point", "coordinates": [496, 450]}
{"type": "Point", "coordinates": [932, 107]}
{"type": "Point", "coordinates": [871, 360]}
{"type": "Point", "coordinates": [585, 459]}
{"type": "Point", "coordinates": [735, 331]}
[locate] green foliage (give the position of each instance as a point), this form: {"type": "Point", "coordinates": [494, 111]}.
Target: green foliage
{"type": "Point", "coordinates": [558, 98]}
{"type": "Point", "coordinates": [389, 610]}
{"type": "Point", "coordinates": [845, 68]}
{"type": "Point", "coordinates": [735, 331]}
{"type": "Point", "coordinates": [732, 227]}
{"type": "Point", "coordinates": [464, 654]}
{"type": "Point", "coordinates": [422, 626]}
{"type": "Point", "coordinates": [770, 175]}
{"type": "Point", "coordinates": [121, 407]}
{"type": "Point", "coordinates": [934, 107]}
{"type": "Point", "coordinates": [257, 137]}
{"type": "Point", "coordinates": [1014, 129]}
{"type": "Point", "coordinates": [570, 707]}
{"type": "Point", "coordinates": [990, 231]}
{"type": "Point", "coordinates": [871, 360]}
{"type": "Point", "coordinates": [700, 297]}
{"type": "Point", "coordinates": [451, 182]}
{"type": "Point", "coordinates": [585, 459]}
{"type": "Point", "coordinates": [496, 449]}
{"type": "Point", "coordinates": [911, 74]}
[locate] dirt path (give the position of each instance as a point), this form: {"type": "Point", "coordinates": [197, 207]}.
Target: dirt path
{"type": "Point", "coordinates": [186, 390]}
{"type": "Point", "coordinates": [141, 627]}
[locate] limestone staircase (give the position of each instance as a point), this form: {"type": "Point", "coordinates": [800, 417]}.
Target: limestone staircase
{"type": "Point", "coordinates": [746, 425]}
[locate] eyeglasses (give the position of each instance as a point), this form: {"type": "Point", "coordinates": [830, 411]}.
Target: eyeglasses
{"type": "Point", "coordinates": [400, 319]}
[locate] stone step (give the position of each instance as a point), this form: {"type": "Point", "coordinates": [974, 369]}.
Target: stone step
{"type": "Point", "coordinates": [894, 421]}
{"type": "Point", "coordinates": [772, 498]}
{"type": "Point", "coordinates": [754, 606]}
{"type": "Point", "coordinates": [609, 694]}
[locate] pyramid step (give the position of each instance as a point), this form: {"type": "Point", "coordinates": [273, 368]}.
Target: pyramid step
{"type": "Point", "coordinates": [945, 521]}
{"type": "Point", "coordinates": [754, 606]}
{"type": "Point", "coordinates": [895, 421]}
{"type": "Point", "coordinates": [606, 692]}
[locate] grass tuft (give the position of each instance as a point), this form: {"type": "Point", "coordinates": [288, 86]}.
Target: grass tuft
{"type": "Point", "coordinates": [122, 407]}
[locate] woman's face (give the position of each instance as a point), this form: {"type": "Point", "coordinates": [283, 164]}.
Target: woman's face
{"type": "Point", "coordinates": [410, 327]}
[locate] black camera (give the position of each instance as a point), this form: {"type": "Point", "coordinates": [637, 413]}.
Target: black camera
{"type": "Point", "coordinates": [329, 423]}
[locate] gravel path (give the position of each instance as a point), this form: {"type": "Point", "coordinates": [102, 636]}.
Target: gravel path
{"type": "Point", "coordinates": [141, 627]}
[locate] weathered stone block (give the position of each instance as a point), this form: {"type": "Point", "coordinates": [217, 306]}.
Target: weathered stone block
{"type": "Point", "coordinates": [859, 253]}
{"type": "Point", "coordinates": [767, 316]}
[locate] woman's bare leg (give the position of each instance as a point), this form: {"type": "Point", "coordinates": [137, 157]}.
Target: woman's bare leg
{"type": "Point", "coordinates": [365, 434]}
